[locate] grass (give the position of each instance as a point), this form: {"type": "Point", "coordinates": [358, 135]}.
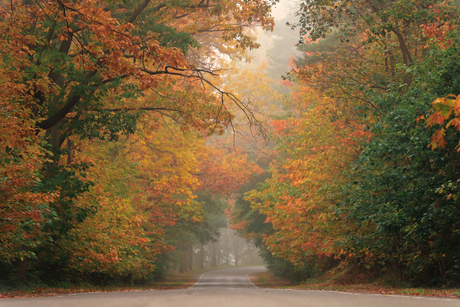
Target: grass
{"type": "Point", "coordinates": [268, 280]}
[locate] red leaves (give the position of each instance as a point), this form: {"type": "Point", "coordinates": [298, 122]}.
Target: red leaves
{"type": "Point", "coordinates": [438, 31]}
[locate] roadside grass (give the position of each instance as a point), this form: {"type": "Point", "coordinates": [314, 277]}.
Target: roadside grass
{"type": "Point", "coordinates": [352, 281]}
{"type": "Point", "coordinates": [269, 280]}
{"type": "Point", "coordinates": [173, 280]}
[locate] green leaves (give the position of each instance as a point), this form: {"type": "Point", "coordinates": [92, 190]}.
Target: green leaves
{"type": "Point", "coordinates": [354, 175]}
{"type": "Point", "coordinates": [397, 179]}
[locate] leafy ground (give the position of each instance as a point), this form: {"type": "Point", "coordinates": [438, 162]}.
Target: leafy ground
{"type": "Point", "coordinates": [268, 280]}
{"type": "Point", "coordinates": [174, 280]}
{"type": "Point", "coordinates": [348, 281]}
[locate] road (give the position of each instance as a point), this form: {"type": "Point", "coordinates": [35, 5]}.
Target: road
{"type": "Point", "coordinates": [228, 278]}
{"type": "Point", "coordinates": [230, 288]}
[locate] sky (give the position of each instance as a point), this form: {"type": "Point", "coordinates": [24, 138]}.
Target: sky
{"type": "Point", "coordinates": [282, 40]}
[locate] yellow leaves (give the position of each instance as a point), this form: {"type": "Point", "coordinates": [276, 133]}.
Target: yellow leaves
{"type": "Point", "coordinates": [105, 241]}
{"type": "Point", "coordinates": [143, 183]}
{"type": "Point", "coordinates": [168, 159]}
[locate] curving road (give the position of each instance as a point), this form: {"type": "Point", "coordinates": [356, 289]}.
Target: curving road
{"type": "Point", "coordinates": [230, 288]}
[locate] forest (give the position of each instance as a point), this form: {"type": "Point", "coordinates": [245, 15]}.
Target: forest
{"type": "Point", "coordinates": [132, 141]}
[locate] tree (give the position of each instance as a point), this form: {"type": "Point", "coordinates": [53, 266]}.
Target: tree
{"type": "Point", "coordinates": [91, 70]}
{"type": "Point", "coordinates": [354, 179]}
{"type": "Point", "coordinates": [23, 206]}
{"type": "Point", "coordinates": [220, 176]}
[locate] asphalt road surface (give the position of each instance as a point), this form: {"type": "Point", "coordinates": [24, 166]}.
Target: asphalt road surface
{"type": "Point", "coordinates": [230, 288]}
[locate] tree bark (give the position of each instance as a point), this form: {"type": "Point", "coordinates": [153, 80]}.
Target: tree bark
{"type": "Point", "coordinates": [21, 269]}
{"type": "Point", "coordinates": [227, 247]}
{"type": "Point", "coordinates": [190, 257]}
{"type": "Point", "coordinates": [218, 254]}
{"type": "Point", "coordinates": [183, 262]}
{"type": "Point", "coordinates": [213, 255]}
{"type": "Point", "coordinates": [236, 249]}
{"type": "Point", "coordinates": [201, 258]}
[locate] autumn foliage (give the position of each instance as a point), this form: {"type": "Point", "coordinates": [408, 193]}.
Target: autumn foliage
{"type": "Point", "coordinates": [365, 171]}
{"type": "Point", "coordinates": [106, 109]}
{"type": "Point", "coordinates": [126, 133]}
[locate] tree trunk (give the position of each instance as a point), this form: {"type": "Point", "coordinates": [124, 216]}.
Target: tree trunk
{"type": "Point", "coordinates": [251, 255]}
{"type": "Point", "coordinates": [183, 262]}
{"type": "Point", "coordinates": [227, 246]}
{"type": "Point", "coordinates": [213, 255]}
{"type": "Point", "coordinates": [236, 249]}
{"type": "Point", "coordinates": [21, 269]}
{"type": "Point", "coordinates": [190, 258]}
{"type": "Point", "coordinates": [201, 258]}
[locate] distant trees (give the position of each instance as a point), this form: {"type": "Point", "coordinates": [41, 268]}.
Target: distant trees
{"type": "Point", "coordinates": [228, 249]}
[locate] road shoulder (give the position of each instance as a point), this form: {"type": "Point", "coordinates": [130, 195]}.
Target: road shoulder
{"type": "Point", "coordinates": [269, 280]}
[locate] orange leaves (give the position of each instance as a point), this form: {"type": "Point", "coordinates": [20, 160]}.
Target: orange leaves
{"type": "Point", "coordinates": [280, 125]}
{"type": "Point", "coordinates": [438, 30]}
{"type": "Point", "coordinates": [82, 48]}
{"type": "Point", "coordinates": [455, 122]}
{"type": "Point", "coordinates": [316, 144]}
{"type": "Point", "coordinates": [223, 173]}
{"type": "Point", "coordinates": [76, 68]}
{"type": "Point", "coordinates": [444, 108]}
{"type": "Point", "coordinates": [437, 140]}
